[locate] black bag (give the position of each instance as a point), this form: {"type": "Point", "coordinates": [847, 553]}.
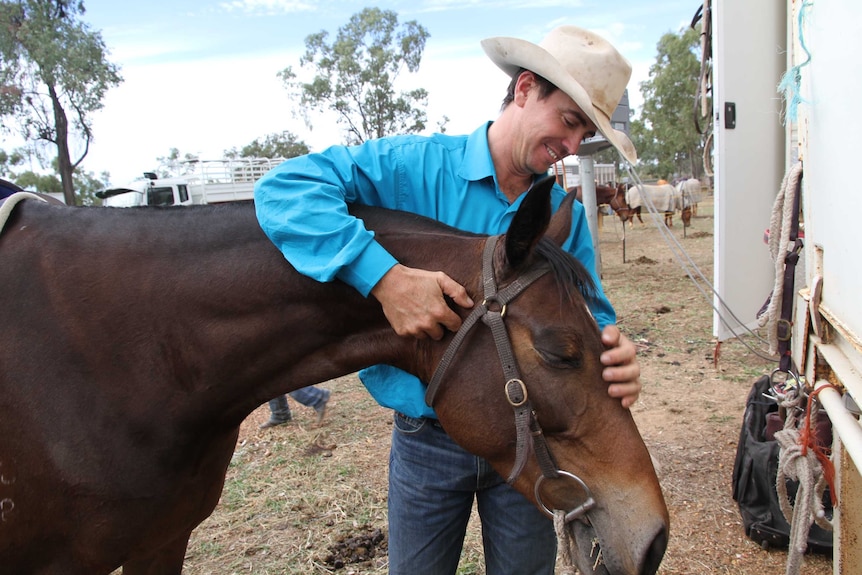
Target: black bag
{"type": "Point", "coordinates": [754, 473]}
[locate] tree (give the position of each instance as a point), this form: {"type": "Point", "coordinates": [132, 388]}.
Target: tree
{"type": "Point", "coordinates": [9, 161]}
{"type": "Point", "coordinates": [54, 74]}
{"type": "Point", "coordinates": [355, 76]}
{"type": "Point", "coordinates": [281, 145]}
{"type": "Point", "coordinates": [176, 164]}
{"type": "Point", "coordinates": [665, 134]}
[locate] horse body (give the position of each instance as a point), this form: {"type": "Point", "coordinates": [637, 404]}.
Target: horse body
{"type": "Point", "coordinates": [136, 341]}
{"type": "Point", "coordinates": [662, 196]}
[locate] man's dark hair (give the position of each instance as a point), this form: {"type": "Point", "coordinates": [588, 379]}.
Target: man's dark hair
{"type": "Point", "coordinates": [545, 87]}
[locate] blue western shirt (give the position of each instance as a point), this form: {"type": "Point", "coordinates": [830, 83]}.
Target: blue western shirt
{"type": "Point", "coordinates": [302, 207]}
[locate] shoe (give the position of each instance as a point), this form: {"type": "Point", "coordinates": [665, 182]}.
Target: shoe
{"type": "Point", "coordinates": [321, 409]}
{"type": "Point", "coordinates": [274, 422]}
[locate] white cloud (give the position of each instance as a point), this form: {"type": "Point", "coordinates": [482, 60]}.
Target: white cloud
{"type": "Point", "coordinates": [268, 6]}
{"type": "Point", "coordinates": [202, 107]}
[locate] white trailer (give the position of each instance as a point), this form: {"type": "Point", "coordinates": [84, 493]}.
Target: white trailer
{"type": "Point", "coordinates": [205, 182]}
{"type": "Point", "coordinates": [814, 47]}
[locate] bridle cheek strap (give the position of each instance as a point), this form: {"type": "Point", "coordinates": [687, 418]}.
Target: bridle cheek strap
{"type": "Point", "coordinates": [529, 434]}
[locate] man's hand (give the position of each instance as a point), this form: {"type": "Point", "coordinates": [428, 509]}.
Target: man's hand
{"type": "Point", "coordinates": [413, 302]}
{"type": "Point", "coordinates": [622, 370]}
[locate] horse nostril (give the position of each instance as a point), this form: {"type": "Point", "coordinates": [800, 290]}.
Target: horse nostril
{"type": "Point", "coordinates": [655, 553]}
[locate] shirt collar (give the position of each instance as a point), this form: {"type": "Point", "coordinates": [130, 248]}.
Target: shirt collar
{"type": "Point", "coordinates": [476, 164]}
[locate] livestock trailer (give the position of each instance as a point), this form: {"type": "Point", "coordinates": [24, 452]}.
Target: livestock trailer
{"type": "Point", "coordinates": [785, 94]}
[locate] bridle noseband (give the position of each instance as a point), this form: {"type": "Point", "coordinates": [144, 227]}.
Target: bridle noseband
{"type": "Point", "coordinates": [530, 438]}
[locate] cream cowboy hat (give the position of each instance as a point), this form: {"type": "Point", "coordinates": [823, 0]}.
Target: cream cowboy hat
{"type": "Point", "coordinates": [580, 63]}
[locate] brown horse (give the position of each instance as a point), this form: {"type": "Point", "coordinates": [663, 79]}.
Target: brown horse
{"type": "Point", "coordinates": [135, 342]}
{"type": "Point", "coordinates": [615, 197]}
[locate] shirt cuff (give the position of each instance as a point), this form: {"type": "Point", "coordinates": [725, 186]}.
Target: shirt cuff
{"type": "Point", "coordinates": [368, 268]}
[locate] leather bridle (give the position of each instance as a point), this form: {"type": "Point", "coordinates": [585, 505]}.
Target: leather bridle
{"type": "Point", "coordinates": [530, 438]}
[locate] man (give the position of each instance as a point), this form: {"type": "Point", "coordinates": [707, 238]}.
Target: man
{"type": "Point", "coordinates": [561, 92]}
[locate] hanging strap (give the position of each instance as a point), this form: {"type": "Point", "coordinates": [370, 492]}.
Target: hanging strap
{"type": "Point", "coordinates": [785, 322]}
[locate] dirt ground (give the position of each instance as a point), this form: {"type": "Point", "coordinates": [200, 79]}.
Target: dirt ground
{"type": "Point", "coordinates": [305, 499]}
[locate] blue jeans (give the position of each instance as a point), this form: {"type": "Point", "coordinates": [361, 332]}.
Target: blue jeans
{"type": "Point", "coordinates": [309, 396]}
{"type": "Point", "coordinates": [432, 483]}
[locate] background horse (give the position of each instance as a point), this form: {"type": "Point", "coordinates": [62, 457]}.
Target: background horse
{"type": "Point", "coordinates": [689, 193]}
{"type": "Point", "coordinates": [136, 341]}
{"type": "Point", "coordinates": [613, 197]}
{"type": "Point", "coordinates": [663, 196]}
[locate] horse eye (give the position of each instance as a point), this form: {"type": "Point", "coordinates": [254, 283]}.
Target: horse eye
{"type": "Point", "coordinates": [561, 361]}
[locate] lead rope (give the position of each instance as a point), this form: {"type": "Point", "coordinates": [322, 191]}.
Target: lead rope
{"type": "Point", "coordinates": [798, 460]}
{"type": "Point", "coordinates": [565, 543]}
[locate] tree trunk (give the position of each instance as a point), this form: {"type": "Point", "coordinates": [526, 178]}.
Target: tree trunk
{"type": "Point", "coordinates": [64, 162]}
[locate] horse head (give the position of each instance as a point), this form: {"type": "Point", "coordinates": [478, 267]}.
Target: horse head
{"type": "Point", "coordinates": [582, 452]}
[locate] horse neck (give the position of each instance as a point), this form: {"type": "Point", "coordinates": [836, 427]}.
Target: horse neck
{"type": "Point", "coordinates": [292, 331]}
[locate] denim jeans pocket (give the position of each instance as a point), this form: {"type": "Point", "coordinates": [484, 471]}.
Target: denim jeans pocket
{"type": "Point", "coordinates": [409, 425]}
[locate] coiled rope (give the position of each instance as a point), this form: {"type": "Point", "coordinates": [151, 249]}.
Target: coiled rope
{"type": "Point", "coordinates": [800, 458]}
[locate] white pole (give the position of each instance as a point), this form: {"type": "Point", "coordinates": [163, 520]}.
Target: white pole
{"type": "Point", "coordinates": [588, 193]}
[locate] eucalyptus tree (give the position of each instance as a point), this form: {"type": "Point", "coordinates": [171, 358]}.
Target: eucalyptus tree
{"type": "Point", "coordinates": [665, 134]}
{"type": "Point", "coordinates": [278, 145]}
{"type": "Point", "coordinates": [54, 73]}
{"type": "Point", "coordinates": [356, 76]}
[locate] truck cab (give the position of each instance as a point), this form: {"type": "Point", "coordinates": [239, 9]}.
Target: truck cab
{"type": "Point", "coordinates": [148, 191]}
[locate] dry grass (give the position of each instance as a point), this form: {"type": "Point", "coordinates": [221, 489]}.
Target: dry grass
{"type": "Point", "coordinates": [294, 492]}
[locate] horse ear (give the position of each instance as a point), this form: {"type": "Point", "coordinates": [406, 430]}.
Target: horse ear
{"type": "Point", "coordinates": [530, 222]}
{"type": "Point", "coordinates": [561, 224]}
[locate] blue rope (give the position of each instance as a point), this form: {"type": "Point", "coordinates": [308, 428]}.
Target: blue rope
{"type": "Point", "coordinates": [789, 87]}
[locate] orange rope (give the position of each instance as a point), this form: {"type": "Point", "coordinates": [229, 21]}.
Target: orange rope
{"type": "Point", "coordinates": [808, 440]}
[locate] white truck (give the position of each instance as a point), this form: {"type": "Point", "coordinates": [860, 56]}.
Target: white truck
{"type": "Point", "coordinates": [205, 182]}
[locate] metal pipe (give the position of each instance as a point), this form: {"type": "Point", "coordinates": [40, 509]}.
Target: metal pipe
{"type": "Point", "coordinates": [843, 422]}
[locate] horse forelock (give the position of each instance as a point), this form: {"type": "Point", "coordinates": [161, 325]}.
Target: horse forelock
{"type": "Point", "coordinates": [569, 272]}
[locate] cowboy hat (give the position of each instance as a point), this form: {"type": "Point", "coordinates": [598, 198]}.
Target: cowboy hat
{"type": "Point", "coordinates": [580, 63]}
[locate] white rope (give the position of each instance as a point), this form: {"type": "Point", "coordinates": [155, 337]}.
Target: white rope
{"type": "Point", "coordinates": [804, 468]}
{"type": "Point", "coordinates": [780, 224]}
{"type": "Point", "coordinates": [565, 543]}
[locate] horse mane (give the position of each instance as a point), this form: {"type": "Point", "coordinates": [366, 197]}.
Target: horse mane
{"type": "Point", "coordinates": [569, 272]}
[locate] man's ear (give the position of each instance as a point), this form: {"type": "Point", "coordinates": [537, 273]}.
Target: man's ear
{"type": "Point", "coordinates": [525, 82]}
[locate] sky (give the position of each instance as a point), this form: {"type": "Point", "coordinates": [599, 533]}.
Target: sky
{"type": "Point", "coordinates": [201, 75]}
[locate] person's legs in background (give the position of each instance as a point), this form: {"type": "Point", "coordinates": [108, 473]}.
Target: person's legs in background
{"type": "Point", "coordinates": [311, 396]}
{"type": "Point", "coordinates": [279, 412]}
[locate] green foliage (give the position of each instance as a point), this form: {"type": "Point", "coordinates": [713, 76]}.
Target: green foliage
{"type": "Point", "coordinates": [355, 75]}
{"type": "Point", "coordinates": [281, 145]}
{"type": "Point", "coordinates": [86, 184]}
{"type": "Point", "coordinates": [665, 134]}
{"type": "Point", "coordinates": [42, 183]}
{"type": "Point", "coordinates": [8, 162]}
{"type": "Point", "coordinates": [53, 74]}
{"type": "Point", "coordinates": [175, 164]}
